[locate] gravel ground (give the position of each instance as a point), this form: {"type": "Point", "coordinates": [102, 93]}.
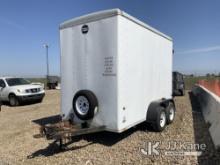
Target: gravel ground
{"type": "Point", "coordinates": [17, 145]}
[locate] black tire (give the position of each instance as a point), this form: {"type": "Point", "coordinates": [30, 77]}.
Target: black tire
{"type": "Point", "coordinates": [13, 100]}
{"type": "Point", "coordinates": [182, 92]}
{"type": "Point", "coordinates": [0, 105]}
{"type": "Point", "coordinates": [50, 86]}
{"type": "Point", "coordinates": [53, 86]}
{"type": "Point", "coordinates": [157, 126]}
{"type": "Point", "coordinates": [170, 113]}
{"type": "Point", "coordinates": [89, 104]}
{"type": "Point", "coordinates": [40, 100]}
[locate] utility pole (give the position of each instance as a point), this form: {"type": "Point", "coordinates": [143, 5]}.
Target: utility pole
{"type": "Point", "coordinates": [47, 61]}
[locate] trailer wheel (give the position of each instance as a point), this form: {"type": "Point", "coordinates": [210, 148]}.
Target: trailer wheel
{"type": "Point", "coordinates": [85, 104]}
{"type": "Point", "coordinates": [170, 113]}
{"type": "Point", "coordinates": [161, 120]}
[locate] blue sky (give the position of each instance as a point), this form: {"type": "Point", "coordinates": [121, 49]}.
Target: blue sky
{"type": "Point", "coordinates": [25, 25]}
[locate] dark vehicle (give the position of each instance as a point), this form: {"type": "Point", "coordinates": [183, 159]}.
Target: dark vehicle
{"type": "Point", "coordinates": [52, 82]}
{"type": "Point", "coordinates": [0, 105]}
{"type": "Point", "coordinates": [178, 84]}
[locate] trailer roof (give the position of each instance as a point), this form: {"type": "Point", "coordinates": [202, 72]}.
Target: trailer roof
{"type": "Point", "coordinates": [105, 14]}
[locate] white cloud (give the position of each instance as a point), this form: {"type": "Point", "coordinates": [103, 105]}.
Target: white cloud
{"type": "Point", "coordinates": [200, 50]}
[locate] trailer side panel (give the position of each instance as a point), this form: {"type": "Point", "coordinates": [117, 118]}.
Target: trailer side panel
{"type": "Point", "coordinates": [144, 71]}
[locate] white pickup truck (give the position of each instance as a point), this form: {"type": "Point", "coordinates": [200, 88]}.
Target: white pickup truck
{"type": "Point", "coordinates": [18, 90]}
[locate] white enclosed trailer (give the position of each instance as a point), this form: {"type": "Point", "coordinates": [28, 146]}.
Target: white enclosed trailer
{"type": "Point", "coordinates": [116, 71]}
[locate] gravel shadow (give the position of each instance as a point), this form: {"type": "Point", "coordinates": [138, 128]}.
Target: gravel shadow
{"type": "Point", "coordinates": [53, 149]}
{"type": "Point", "coordinates": [109, 138]}
{"type": "Point", "coordinates": [202, 135]}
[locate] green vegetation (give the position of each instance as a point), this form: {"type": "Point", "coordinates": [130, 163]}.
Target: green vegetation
{"type": "Point", "coordinates": [191, 80]}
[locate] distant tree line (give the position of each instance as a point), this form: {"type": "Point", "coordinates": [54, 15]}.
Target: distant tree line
{"type": "Point", "coordinates": [212, 75]}
{"type": "Point", "coordinates": [206, 75]}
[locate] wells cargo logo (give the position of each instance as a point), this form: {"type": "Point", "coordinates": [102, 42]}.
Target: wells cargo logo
{"type": "Point", "coordinates": [85, 29]}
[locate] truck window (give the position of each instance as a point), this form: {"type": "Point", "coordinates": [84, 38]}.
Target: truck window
{"type": "Point", "coordinates": [17, 81]}
{"type": "Point", "coordinates": [179, 77]}
{"type": "Point", "coordinates": [2, 83]}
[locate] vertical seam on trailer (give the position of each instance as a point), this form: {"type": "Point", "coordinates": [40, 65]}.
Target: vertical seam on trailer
{"type": "Point", "coordinates": [86, 62]}
{"type": "Point", "coordinates": [117, 64]}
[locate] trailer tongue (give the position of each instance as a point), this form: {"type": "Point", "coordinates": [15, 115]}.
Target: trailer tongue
{"type": "Point", "coordinates": [63, 131]}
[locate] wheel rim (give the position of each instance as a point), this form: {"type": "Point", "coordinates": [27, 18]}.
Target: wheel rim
{"type": "Point", "coordinates": [162, 119]}
{"type": "Point", "coordinates": [171, 114]}
{"type": "Point", "coordinates": [82, 105]}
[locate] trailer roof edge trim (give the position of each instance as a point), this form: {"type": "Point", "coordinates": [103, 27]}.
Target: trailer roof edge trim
{"type": "Point", "coordinates": [105, 14]}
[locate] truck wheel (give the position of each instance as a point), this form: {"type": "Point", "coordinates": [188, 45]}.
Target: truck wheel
{"type": "Point", "coordinates": [170, 113]}
{"type": "Point", "coordinates": [85, 104]}
{"type": "Point", "coordinates": [40, 100]}
{"type": "Point", "coordinates": [13, 100]}
{"type": "Point", "coordinates": [160, 122]}
{"type": "Point", "coordinates": [50, 86]}
{"type": "Point", "coordinates": [0, 105]}
{"type": "Point", "coordinates": [182, 92]}
{"type": "Point", "coordinates": [53, 86]}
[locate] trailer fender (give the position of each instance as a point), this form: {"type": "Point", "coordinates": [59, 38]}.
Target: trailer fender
{"type": "Point", "coordinates": [166, 102]}
{"type": "Point", "coordinates": [152, 113]}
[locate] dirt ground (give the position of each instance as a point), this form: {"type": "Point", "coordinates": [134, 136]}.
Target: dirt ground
{"type": "Point", "coordinates": [17, 145]}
